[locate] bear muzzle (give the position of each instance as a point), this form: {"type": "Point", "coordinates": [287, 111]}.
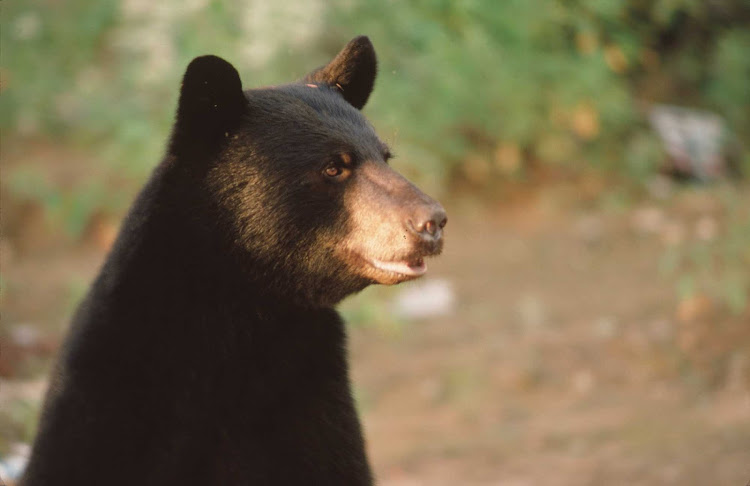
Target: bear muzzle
{"type": "Point", "coordinates": [395, 226]}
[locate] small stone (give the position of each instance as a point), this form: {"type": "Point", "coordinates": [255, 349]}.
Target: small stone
{"type": "Point", "coordinates": [13, 464]}
{"type": "Point", "coordinates": [673, 233]}
{"type": "Point", "coordinates": [648, 220]}
{"type": "Point", "coordinates": [706, 228]}
{"type": "Point", "coordinates": [605, 327]}
{"type": "Point", "coordinates": [431, 298]}
{"type": "Point", "coordinates": [661, 330]}
{"type": "Point", "coordinates": [583, 381]}
{"type": "Point", "coordinates": [24, 335]}
{"type": "Point", "coordinates": [590, 229]}
{"type": "Point", "coordinates": [532, 312]}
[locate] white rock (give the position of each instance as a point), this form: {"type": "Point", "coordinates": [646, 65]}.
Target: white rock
{"type": "Point", "coordinates": [13, 465]}
{"type": "Point", "coordinates": [429, 298]}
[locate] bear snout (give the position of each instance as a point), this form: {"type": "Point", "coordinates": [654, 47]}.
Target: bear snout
{"type": "Point", "coordinates": [427, 222]}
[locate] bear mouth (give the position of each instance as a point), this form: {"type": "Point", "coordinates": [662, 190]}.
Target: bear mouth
{"type": "Point", "coordinates": [399, 270]}
{"type": "Point", "coordinates": [413, 268]}
{"type": "Point", "coordinates": [394, 270]}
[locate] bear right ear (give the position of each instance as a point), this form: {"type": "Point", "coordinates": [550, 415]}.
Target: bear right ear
{"type": "Point", "coordinates": [353, 71]}
{"type": "Point", "coordinates": [211, 101]}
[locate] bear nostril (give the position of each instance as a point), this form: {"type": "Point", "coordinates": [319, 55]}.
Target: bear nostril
{"type": "Point", "coordinates": [428, 225]}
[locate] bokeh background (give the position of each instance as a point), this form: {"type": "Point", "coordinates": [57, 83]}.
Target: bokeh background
{"type": "Point", "coordinates": [589, 321]}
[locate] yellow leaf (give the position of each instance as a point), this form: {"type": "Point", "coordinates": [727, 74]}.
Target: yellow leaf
{"type": "Point", "coordinates": [586, 42]}
{"type": "Point", "coordinates": [508, 158]}
{"type": "Point", "coordinates": [585, 121]}
{"type": "Point", "coordinates": [615, 59]}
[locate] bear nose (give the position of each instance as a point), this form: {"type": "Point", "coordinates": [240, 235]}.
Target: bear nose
{"type": "Point", "coordinates": [429, 221]}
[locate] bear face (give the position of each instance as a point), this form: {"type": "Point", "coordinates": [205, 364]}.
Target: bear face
{"type": "Point", "coordinates": [297, 181]}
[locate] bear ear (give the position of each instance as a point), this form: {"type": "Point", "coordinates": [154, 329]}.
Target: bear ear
{"type": "Point", "coordinates": [211, 100]}
{"type": "Point", "coordinates": [353, 71]}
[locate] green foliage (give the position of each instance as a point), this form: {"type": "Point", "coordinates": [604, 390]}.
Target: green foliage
{"type": "Point", "coordinates": [71, 209]}
{"type": "Point", "coordinates": [459, 77]}
{"type": "Point", "coordinates": [729, 74]}
{"type": "Point", "coordinates": [47, 48]}
{"type": "Point", "coordinates": [18, 420]}
{"type": "Point", "coordinates": [561, 80]}
{"type": "Point", "coordinates": [718, 266]}
{"type": "Point", "coordinates": [558, 82]}
{"type": "Point", "coordinates": [373, 309]}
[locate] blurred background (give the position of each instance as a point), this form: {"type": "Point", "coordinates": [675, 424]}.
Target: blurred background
{"type": "Point", "coordinates": [589, 321]}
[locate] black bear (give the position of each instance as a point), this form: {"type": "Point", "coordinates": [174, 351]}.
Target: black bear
{"type": "Point", "coordinates": [207, 351]}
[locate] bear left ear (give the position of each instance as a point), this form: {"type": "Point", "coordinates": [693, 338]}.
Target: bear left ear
{"type": "Point", "coordinates": [211, 100]}
{"type": "Point", "coordinates": [353, 71]}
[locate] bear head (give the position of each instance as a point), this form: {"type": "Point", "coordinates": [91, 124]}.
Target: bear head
{"type": "Point", "coordinates": [295, 183]}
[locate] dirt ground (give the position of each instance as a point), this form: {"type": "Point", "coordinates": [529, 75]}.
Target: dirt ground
{"type": "Point", "coordinates": [552, 368]}
{"type": "Point", "coordinates": [566, 359]}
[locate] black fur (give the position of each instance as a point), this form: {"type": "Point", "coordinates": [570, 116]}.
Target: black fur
{"type": "Point", "coordinates": [207, 351]}
{"type": "Point", "coordinates": [352, 71]}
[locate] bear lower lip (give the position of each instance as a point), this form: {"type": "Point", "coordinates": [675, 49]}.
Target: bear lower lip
{"type": "Point", "coordinates": [415, 268]}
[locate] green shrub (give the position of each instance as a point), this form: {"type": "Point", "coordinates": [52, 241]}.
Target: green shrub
{"type": "Point", "coordinates": [556, 82]}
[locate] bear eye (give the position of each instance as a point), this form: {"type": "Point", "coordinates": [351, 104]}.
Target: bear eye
{"type": "Point", "coordinates": [339, 167]}
{"type": "Point", "coordinates": [333, 171]}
